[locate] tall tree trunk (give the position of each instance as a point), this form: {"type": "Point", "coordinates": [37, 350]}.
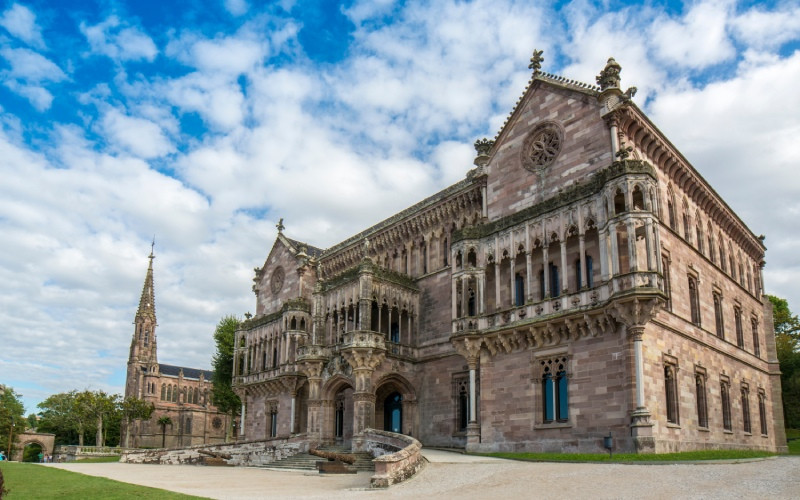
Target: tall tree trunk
{"type": "Point", "coordinates": [98, 438]}
{"type": "Point", "coordinates": [163, 435]}
{"type": "Point", "coordinates": [80, 435]}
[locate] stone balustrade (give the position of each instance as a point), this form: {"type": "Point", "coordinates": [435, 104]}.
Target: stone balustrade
{"type": "Point", "coordinates": [247, 453]}
{"type": "Point", "coordinates": [397, 456]}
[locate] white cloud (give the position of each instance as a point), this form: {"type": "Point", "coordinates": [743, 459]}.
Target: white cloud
{"type": "Point", "coordinates": [117, 41]}
{"type": "Point", "coordinates": [39, 97]}
{"type": "Point", "coordinates": [697, 40]}
{"type": "Point", "coordinates": [763, 29]}
{"type": "Point", "coordinates": [138, 136]}
{"type": "Point", "coordinates": [237, 7]}
{"type": "Point", "coordinates": [31, 66]}
{"type": "Point", "coordinates": [20, 21]}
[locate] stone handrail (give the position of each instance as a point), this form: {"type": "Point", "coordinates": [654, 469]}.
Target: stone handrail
{"type": "Point", "coordinates": [397, 457]}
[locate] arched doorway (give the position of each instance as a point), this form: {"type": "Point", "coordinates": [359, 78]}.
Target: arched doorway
{"type": "Point", "coordinates": [393, 412]}
{"type": "Point", "coordinates": [337, 420]}
{"type": "Point", "coordinates": [32, 451]}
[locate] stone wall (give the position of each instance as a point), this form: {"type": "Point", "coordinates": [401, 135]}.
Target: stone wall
{"type": "Point", "coordinates": [248, 453]}
{"type": "Point", "coordinates": [398, 457]}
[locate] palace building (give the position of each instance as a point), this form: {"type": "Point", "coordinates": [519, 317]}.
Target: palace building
{"type": "Point", "coordinates": [583, 280]}
{"type": "Point", "coordinates": [180, 393]}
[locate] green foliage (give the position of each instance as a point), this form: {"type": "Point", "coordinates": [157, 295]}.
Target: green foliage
{"type": "Point", "coordinates": [33, 421]}
{"type": "Point", "coordinates": [61, 414]}
{"type": "Point", "coordinates": [11, 408]}
{"type": "Point", "coordinates": [634, 457]}
{"type": "Point", "coordinates": [33, 481]}
{"type": "Point", "coordinates": [164, 422]}
{"type": "Point", "coordinates": [787, 342]}
{"type": "Point", "coordinates": [31, 453]}
{"type": "Point", "coordinates": [224, 397]}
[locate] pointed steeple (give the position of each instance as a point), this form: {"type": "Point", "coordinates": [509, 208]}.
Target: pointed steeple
{"type": "Point", "coordinates": [147, 303]}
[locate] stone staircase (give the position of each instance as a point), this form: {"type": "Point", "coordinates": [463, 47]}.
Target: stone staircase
{"type": "Point", "coordinates": [306, 461]}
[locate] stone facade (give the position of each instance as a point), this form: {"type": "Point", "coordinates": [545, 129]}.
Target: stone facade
{"type": "Point", "coordinates": [180, 393]}
{"type": "Point", "coordinates": [582, 280]}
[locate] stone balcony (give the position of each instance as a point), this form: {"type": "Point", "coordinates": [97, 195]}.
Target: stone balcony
{"type": "Point", "coordinates": [566, 304]}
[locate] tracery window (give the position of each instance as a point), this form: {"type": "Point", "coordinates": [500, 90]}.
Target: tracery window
{"type": "Point", "coordinates": [702, 401]}
{"type": "Point", "coordinates": [541, 147]}
{"type": "Point", "coordinates": [694, 301]}
{"type": "Point", "coordinates": [699, 229]}
{"type": "Point", "coordinates": [722, 256]}
{"type": "Point", "coordinates": [461, 402]}
{"type": "Point", "coordinates": [726, 405]}
{"type": "Point", "coordinates": [746, 409]}
{"type": "Point", "coordinates": [671, 390]}
{"type": "Point", "coordinates": [163, 392]}
{"type": "Point", "coordinates": [555, 397]}
{"type": "Point", "coordinates": [718, 318]}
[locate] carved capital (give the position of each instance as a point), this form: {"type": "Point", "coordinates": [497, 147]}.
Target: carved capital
{"type": "Point", "coordinates": [469, 348]}
{"type": "Point", "coordinates": [635, 312]}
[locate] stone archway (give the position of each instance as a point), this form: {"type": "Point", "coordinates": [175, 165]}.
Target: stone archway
{"type": "Point", "coordinates": [396, 404]}
{"type": "Point", "coordinates": [44, 440]}
{"type": "Point", "coordinates": [337, 409]}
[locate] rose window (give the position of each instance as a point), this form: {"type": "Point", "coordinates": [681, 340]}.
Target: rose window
{"type": "Point", "coordinates": [541, 148]}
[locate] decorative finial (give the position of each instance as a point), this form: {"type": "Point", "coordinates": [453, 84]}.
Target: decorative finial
{"type": "Point", "coordinates": [536, 61]}
{"type": "Point", "coordinates": [247, 315]}
{"type": "Point", "coordinates": [624, 152]}
{"type": "Point", "coordinates": [152, 246]}
{"type": "Point", "coordinates": [280, 226]}
{"type": "Point", "coordinates": [482, 146]}
{"type": "Point", "coordinates": [609, 77]}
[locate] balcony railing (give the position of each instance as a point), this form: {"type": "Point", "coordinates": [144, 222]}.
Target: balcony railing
{"type": "Point", "coordinates": [565, 303]}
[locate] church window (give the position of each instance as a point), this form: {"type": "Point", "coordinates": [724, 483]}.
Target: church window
{"type": "Point", "coordinates": [461, 401]}
{"type": "Point", "coordinates": [276, 281]}
{"type": "Point", "coordinates": [519, 290]}
{"type": "Point", "coordinates": [756, 343]}
{"type": "Point", "coordinates": [275, 357]}
{"type": "Point", "coordinates": [687, 235]}
{"type": "Point", "coordinates": [718, 318]}
{"type": "Point", "coordinates": [541, 147]}
{"type": "Point", "coordinates": [746, 410]}
{"type": "Point", "coordinates": [694, 301]}
{"type": "Point", "coordinates": [711, 254]}
{"type": "Point", "coordinates": [702, 402]}
{"type": "Point", "coordinates": [174, 393]}
{"type": "Point", "coordinates": [737, 317]}
{"type": "Point", "coordinates": [722, 259]}
{"type": "Point", "coordinates": [726, 405]}
{"type": "Point", "coordinates": [733, 267]}
{"type": "Point", "coordinates": [671, 214]}
{"type": "Point", "coordinates": [699, 229]}
{"type": "Point", "coordinates": [671, 389]}
{"type": "Point", "coordinates": [555, 399]}
{"type": "Point", "coordinates": [169, 393]}
{"type": "Point", "coordinates": [273, 421]}
{"type": "Point", "coordinates": [188, 425]}
{"type": "Point", "coordinates": [762, 411]}
{"type": "Point", "coordinates": [163, 392]}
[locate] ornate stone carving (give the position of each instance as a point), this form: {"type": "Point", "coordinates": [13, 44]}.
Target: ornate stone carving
{"type": "Point", "coordinates": [541, 147]}
{"type": "Point", "coordinates": [276, 281]}
{"type": "Point", "coordinates": [536, 61]}
{"type": "Point", "coordinates": [609, 77]}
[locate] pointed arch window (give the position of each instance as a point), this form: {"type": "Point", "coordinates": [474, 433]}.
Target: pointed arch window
{"type": "Point", "coordinates": [702, 402]}
{"type": "Point", "coordinates": [726, 405]}
{"type": "Point", "coordinates": [694, 301]}
{"type": "Point", "coordinates": [718, 318]}
{"type": "Point", "coordinates": [671, 390]}
{"type": "Point", "coordinates": [756, 342]}
{"type": "Point", "coordinates": [555, 388]}
{"type": "Point", "coordinates": [762, 412]}
{"type": "Point", "coordinates": [746, 424]}
{"type": "Point", "coordinates": [737, 317]}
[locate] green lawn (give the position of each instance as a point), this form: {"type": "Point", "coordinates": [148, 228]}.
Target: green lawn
{"type": "Point", "coordinates": [794, 445]}
{"type": "Point", "coordinates": [25, 480]}
{"type": "Point", "coordinates": [633, 457]}
{"type": "Point", "coordinates": [99, 460]}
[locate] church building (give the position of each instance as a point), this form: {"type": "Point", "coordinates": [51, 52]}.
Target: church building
{"type": "Point", "coordinates": [180, 393]}
{"type": "Point", "coordinates": [583, 280]}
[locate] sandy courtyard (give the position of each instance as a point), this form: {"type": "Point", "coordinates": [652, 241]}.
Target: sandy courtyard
{"type": "Point", "coordinates": [449, 475]}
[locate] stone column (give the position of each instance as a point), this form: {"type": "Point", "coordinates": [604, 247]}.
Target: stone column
{"type": "Point", "coordinates": [497, 304]}
{"type": "Point", "coordinates": [364, 359]}
{"type": "Point", "coordinates": [455, 298]}
{"type": "Point", "coordinates": [632, 253]}
{"type": "Point", "coordinates": [603, 244]}
{"type": "Point", "coordinates": [612, 234]}
{"type": "Point", "coordinates": [529, 275]}
{"type": "Point", "coordinates": [243, 424]}
{"type": "Point", "coordinates": [512, 265]}
{"type": "Point", "coordinates": [565, 269]}
{"type": "Point", "coordinates": [464, 296]}
{"type": "Point", "coordinates": [291, 414]}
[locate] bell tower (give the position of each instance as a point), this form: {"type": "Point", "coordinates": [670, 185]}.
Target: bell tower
{"type": "Point", "coordinates": [143, 357]}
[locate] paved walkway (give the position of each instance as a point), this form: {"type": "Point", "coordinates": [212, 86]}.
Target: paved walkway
{"type": "Point", "coordinates": [452, 475]}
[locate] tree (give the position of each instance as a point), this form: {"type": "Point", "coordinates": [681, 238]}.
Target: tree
{"type": "Point", "coordinates": [787, 342]}
{"type": "Point", "coordinates": [134, 409]}
{"type": "Point", "coordinates": [225, 399]}
{"type": "Point", "coordinates": [33, 421]}
{"type": "Point", "coordinates": [164, 422]}
{"type": "Point", "coordinates": [12, 413]}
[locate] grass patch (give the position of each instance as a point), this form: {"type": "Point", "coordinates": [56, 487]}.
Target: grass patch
{"type": "Point", "coordinates": [633, 457]}
{"type": "Point", "coordinates": [98, 460]}
{"type": "Point", "coordinates": [23, 480]}
{"type": "Point", "coordinates": [794, 444]}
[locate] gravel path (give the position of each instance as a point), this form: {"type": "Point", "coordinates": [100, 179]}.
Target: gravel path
{"type": "Point", "coordinates": [450, 475]}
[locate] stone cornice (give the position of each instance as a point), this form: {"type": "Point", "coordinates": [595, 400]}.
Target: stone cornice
{"type": "Point", "coordinates": [652, 142]}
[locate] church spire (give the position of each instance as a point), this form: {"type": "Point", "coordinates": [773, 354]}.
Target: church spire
{"type": "Point", "coordinates": [147, 303]}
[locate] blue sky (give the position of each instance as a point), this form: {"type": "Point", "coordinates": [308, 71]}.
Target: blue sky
{"type": "Point", "coordinates": [204, 123]}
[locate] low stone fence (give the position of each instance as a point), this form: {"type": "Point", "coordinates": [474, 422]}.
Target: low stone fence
{"type": "Point", "coordinates": [69, 453]}
{"type": "Point", "coordinates": [397, 457]}
{"type": "Point", "coordinates": [242, 452]}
